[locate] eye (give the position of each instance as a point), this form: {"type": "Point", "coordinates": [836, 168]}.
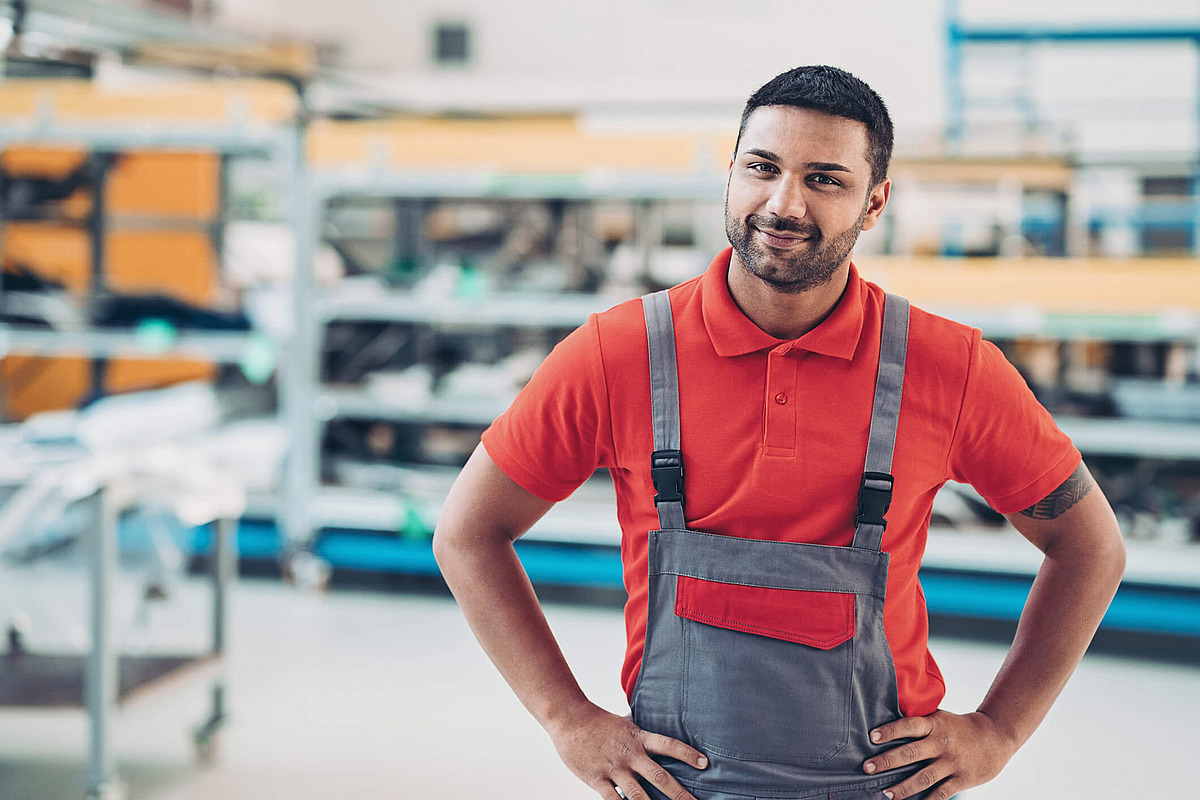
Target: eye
{"type": "Point", "coordinates": [824, 180]}
{"type": "Point", "coordinates": [762, 168]}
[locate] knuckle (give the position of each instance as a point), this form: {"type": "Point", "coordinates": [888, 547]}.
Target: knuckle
{"type": "Point", "coordinates": [923, 779]}
{"type": "Point", "coordinates": [658, 776]}
{"type": "Point", "coordinates": [624, 748]}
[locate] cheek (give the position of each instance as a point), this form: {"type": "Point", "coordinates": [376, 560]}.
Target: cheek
{"type": "Point", "coordinates": [742, 199]}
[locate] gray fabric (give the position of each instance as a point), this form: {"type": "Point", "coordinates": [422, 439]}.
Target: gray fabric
{"type": "Point", "coordinates": [777, 718]}
{"type": "Point", "coordinates": [885, 411]}
{"type": "Point", "coordinates": [664, 389]}
{"type": "Point", "coordinates": [780, 565]}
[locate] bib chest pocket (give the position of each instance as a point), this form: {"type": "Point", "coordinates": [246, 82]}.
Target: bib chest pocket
{"type": "Point", "coordinates": [768, 673]}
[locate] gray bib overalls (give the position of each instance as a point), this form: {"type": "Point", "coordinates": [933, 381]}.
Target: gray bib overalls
{"type": "Point", "coordinates": [779, 716]}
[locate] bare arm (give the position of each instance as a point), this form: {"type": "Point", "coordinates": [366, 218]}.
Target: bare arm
{"type": "Point", "coordinates": [484, 513]}
{"type": "Point", "coordinates": [1085, 557]}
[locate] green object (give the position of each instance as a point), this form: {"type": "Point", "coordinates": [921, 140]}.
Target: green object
{"type": "Point", "coordinates": [412, 521]}
{"type": "Point", "coordinates": [155, 336]}
{"type": "Point", "coordinates": [471, 285]}
{"type": "Point", "coordinates": [258, 360]}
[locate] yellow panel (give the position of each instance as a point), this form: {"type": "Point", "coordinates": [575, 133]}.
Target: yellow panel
{"type": "Point", "coordinates": [180, 264]}
{"type": "Point", "coordinates": [42, 162]}
{"type": "Point", "coordinates": [169, 184]}
{"type": "Point", "coordinates": [1031, 173]}
{"type": "Point", "coordinates": [520, 145]}
{"type": "Point", "coordinates": [1065, 285]}
{"type": "Point", "coordinates": [132, 375]}
{"type": "Point", "coordinates": [32, 383]}
{"type": "Point", "coordinates": [215, 102]}
{"type": "Point", "coordinates": [55, 252]}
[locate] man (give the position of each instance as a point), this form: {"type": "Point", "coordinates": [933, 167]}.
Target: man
{"type": "Point", "coordinates": [776, 430]}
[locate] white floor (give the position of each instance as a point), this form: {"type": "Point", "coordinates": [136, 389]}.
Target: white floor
{"type": "Point", "coordinates": [378, 696]}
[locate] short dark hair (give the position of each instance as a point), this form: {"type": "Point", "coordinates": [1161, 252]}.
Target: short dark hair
{"type": "Point", "coordinates": [833, 91]}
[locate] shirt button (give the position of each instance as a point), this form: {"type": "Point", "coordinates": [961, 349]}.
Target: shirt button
{"type": "Point", "coordinates": [781, 398]}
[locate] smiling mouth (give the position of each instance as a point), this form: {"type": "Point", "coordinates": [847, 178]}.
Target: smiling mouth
{"type": "Point", "coordinates": [781, 241]}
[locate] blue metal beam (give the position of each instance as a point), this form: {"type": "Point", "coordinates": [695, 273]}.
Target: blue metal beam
{"type": "Point", "coordinates": [1115, 33]}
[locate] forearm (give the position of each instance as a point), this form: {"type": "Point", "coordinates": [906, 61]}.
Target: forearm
{"type": "Point", "coordinates": [499, 603]}
{"type": "Point", "coordinates": [1072, 591]}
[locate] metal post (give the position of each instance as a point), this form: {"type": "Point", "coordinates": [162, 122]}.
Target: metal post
{"type": "Point", "coordinates": [100, 680]}
{"type": "Point", "coordinates": [955, 99]}
{"type": "Point", "coordinates": [224, 555]}
{"type": "Point", "coordinates": [98, 169]}
{"type": "Point", "coordinates": [300, 373]}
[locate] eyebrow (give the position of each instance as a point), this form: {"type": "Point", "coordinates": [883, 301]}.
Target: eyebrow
{"type": "Point", "coordinates": [823, 166]}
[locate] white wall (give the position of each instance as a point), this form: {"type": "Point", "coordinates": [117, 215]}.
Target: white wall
{"type": "Point", "coordinates": [710, 54]}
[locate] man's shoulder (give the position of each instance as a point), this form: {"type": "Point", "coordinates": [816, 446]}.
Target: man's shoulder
{"type": "Point", "coordinates": [625, 323]}
{"type": "Point", "coordinates": [932, 337]}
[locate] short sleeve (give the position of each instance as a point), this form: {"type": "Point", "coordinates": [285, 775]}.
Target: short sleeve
{"type": "Point", "coordinates": [557, 432]}
{"type": "Point", "coordinates": [1006, 444]}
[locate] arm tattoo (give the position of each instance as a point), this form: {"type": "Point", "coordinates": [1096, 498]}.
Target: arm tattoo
{"type": "Point", "coordinates": [1055, 504]}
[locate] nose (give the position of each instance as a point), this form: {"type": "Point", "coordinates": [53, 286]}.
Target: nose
{"type": "Point", "coordinates": [787, 198]}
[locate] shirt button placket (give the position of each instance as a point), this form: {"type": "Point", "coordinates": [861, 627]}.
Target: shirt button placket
{"type": "Point", "coordinates": [780, 418]}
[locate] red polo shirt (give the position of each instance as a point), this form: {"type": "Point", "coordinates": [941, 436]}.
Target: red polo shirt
{"type": "Point", "coordinates": [774, 436]}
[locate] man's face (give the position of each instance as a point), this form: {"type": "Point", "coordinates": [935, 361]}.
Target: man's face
{"type": "Point", "coordinates": [799, 193]}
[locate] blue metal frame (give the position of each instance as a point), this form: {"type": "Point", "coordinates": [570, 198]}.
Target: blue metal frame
{"type": "Point", "coordinates": [959, 35]}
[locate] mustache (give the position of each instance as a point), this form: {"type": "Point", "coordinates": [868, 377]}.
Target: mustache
{"type": "Point", "coordinates": [781, 225]}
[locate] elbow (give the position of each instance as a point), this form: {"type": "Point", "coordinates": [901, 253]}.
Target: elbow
{"type": "Point", "coordinates": [445, 543]}
{"type": "Point", "coordinates": [1118, 555]}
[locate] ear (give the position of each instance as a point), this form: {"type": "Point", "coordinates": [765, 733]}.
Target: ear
{"type": "Point", "coordinates": [876, 202]}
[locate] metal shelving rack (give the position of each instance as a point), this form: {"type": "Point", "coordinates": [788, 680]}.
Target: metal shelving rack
{"type": "Point", "coordinates": [587, 519]}
{"type": "Point", "coordinates": [378, 171]}
{"type": "Point", "coordinates": [963, 38]}
{"type": "Point", "coordinates": [270, 130]}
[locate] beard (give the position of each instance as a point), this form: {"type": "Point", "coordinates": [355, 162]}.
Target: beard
{"type": "Point", "coordinates": [791, 273]}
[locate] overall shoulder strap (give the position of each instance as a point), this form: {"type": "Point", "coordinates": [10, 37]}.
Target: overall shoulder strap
{"type": "Point", "coordinates": [666, 462]}
{"type": "Point", "coordinates": [875, 491]}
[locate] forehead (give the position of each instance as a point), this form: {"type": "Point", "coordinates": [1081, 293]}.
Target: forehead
{"type": "Point", "coordinates": [804, 134]}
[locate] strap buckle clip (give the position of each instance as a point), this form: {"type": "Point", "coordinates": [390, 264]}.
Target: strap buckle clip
{"type": "Point", "coordinates": [874, 498]}
{"type": "Point", "coordinates": [666, 470]}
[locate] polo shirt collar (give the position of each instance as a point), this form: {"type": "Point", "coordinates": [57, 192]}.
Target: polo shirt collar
{"type": "Point", "coordinates": [733, 334]}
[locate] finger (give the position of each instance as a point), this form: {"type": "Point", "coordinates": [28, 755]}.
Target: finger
{"type": "Point", "coordinates": [905, 728]}
{"type": "Point", "coordinates": [628, 786]}
{"type": "Point", "coordinates": [948, 788]}
{"type": "Point", "coordinates": [662, 780]}
{"type": "Point", "coordinates": [911, 753]}
{"type": "Point", "coordinates": [920, 782]}
{"type": "Point", "coordinates": [607, 791]}
{"type": "Point", "coordinates": [666, 746]}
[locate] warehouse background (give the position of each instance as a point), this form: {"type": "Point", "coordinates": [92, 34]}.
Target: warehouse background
{"type": "Point", "coordinates": [269, 268]}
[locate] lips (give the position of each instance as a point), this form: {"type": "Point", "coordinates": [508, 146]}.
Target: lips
{"type": "Point", "coordinates": [781, 241]}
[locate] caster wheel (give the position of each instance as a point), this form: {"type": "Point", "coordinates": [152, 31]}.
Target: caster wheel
{"type": "Point", "coordinates": [18, 628]}
{"type": "Point", "coordinates": [307, 571]}
{"type": "Point", "coordinates": [206, 749]}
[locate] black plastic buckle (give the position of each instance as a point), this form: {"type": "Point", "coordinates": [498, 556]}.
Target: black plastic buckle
{"type": "Point", "coordinates": [666, 470]}
{"type": "Point", "coordinates": [873, 499]}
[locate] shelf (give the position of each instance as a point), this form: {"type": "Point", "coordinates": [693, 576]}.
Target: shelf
{"type": "Point", "coordinates": [34, 680]}
{"type": "Point", "coordinates": [361, 404]}
{"type": "Point", "coordinates": [1002, 550]}
{"type": "Point", "coordinates": [227, 348]}
{"type": "Point", "coordinates": [365, 182]}
{"type": "Point", "coordinates": [587, 517]}
{"type": "Point", "coordinates": [370, 302]}
{"type": "Point", "coordinates": [1133, 437]}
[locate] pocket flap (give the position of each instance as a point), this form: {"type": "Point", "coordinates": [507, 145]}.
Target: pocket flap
{"type": "Point", "coordinates": [818, 619]}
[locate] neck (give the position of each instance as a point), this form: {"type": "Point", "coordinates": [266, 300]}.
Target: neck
{"type": "Point", "coordinates": [782, 315]}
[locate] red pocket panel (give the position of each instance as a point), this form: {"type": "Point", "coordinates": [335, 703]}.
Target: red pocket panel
{"type": "Point", "coordinates": [818, 619]}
